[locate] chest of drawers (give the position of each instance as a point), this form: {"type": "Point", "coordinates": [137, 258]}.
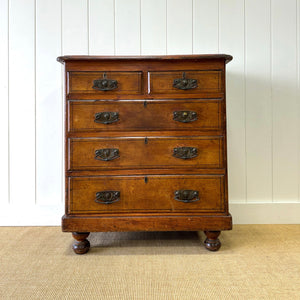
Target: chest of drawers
{"type": "Point", "coordinates": [145, 145]}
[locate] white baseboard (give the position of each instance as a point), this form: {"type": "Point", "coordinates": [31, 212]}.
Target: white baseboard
{"type": "Point", "coordinates": [244, 213]}
{"type": "Point", "coordinates": [34, 215]}
{"type": "Point", "coordinates": [265, 213]}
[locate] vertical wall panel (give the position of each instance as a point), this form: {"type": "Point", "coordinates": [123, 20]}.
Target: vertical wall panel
{"type": "Point", "coordinates": [179, 27]}
{"type": "Point", "coordinates": [22, 101]}
{"type": "Point", "coordinates": [48, 103]}
{"type": "Point", "coordinates": [284, 93]}
{"type": "Point", "coordinates": [4, 199]}
{"type": "Point", "coordinates": [101, 27]}
{"type": "Point", "coordinates": [206, 26]}
{"type": "Point", "coordinates": [231, 30]}
{"type": "Point", "coordinates": [127, 27]}
{"type": "Point", "coordinates": [263, 83]}
{"type": "Point", "coordinates": [258, 101]}
{"type": "Point", "coordinates": [153, 27]}
{"type": "Point", "coordinates": [298, 91]}
{"type": "Point", "coordinates": [74, 27]}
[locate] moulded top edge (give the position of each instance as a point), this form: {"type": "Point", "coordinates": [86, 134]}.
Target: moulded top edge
{"type": "Point", "coordinates": [65, 58]}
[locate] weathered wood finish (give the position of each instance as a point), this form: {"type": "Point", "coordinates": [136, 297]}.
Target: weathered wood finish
{"type": "Point", "coordinates": [207, 81]}
{"type": "Point", "coordinates": [145, 187]}
{"type": "Point", "coordinates": [132, 152]}
{"type": "Point", "coordinates": [127, 82]}
{"type": "Point", "coordinates": [146, 193]}
{"type": "Point", "coordinates": [139, 115]}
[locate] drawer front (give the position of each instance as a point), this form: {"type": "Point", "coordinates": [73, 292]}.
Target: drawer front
{"type": "Point", "coordinates": [188, 82]}
{"type": "Point", "coordinates": [178, 193]}
{"type": "Point", "coordinates": [122, 153]}
{"type": "Point", "coordinates": [145, 115]}
{"type": "Point", "coordinates": [105, 83]}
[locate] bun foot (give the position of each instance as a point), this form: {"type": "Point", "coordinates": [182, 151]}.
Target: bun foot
{"type": "Point", "coordinates": [212, 242]}
{"type": "Point", "coordinates": [81, 245]}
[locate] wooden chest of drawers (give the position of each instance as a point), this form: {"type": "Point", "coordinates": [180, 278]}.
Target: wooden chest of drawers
{"type": "Point", "coordinates": [145, 145]}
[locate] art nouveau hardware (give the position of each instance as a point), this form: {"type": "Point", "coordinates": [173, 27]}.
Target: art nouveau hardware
{"type": "Point", "coordinates": [184, 116]}
{"type": "Point", "coordinates": [107, 197]}
{"type": "Point", "coordinates": [185, 83]}
{"type": "Point", "coordinates": [185, 152]}
{"type": "Point", "coordinates": [187, 196]}
{"type": "Point", "coordinates": [106, 117]}
{"type": "Point", "coordinates": [105, 84]}
{"type": "Point", "coordinates": [107, 154]}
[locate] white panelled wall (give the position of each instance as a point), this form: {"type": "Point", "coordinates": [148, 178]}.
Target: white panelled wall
{"type": "Point", "coordinates": [263, 92]}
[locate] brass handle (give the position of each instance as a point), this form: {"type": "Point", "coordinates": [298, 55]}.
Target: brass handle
{"type": "Point", "coordinates": [185, 152]}
{"type": "Point", "coordinates": [107, 197]}
{"type": "Point", "coordinates": [185, 83]}
{"type": "Point", "coordinates": [187, 196]}
{"type": "Point", "coordinates": [106, 117]}
{"type": "Point", "coordinates": [105, 84]}
{"type": "Point", "coordinates": [185, 116]}
{"type": "Point", "coordinates": [107, 154]}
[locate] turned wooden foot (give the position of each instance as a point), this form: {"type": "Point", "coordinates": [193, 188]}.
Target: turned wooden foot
{"type": "Point", "coordinates": [81, 245]}
{"type": "Point", "coordinates": [212, 242]}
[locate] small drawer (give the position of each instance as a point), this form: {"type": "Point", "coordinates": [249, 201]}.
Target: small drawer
{"type": "Point", "coordinates": [176, 193]}
{"type": "Point", "coordinates": [103, 83]}
{"type": "Point", "coordinates": [185, 82]}
{"type": "Point", "coordinates": [144, 115]}
{"type": "Point", "coordinates": [146, 152]}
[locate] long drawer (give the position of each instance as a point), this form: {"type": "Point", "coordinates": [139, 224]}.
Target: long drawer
{"type": "Point", "coordinates": [144, 115]}
{"type": "Point", "coordinates": [176, 193]}
{"type": "Point", "coordinates": [146, 152]}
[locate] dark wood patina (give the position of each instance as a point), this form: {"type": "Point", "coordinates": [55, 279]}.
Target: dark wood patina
{"type": "Point", "coordinates": [145, 145]}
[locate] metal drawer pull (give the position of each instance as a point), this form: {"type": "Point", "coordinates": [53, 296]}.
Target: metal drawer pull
{"type": "Point", "coordinates": [105, 84]}
{"type": "Point", "coordinates": [184, 116]}
{"type": "Point", "coordinates": [106, 117]}
{"type": "Point", "coordinates": [185, 152]}
{"type": "Point", "coordinates": [185, 83]}
{"type": "Point", "coordinates": [187, 196]}
{"type": "Point", "coordinates": [107, 197]}
{"type": "Point", "coordinates": [107, 154]}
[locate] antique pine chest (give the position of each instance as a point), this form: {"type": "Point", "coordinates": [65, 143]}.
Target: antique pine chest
{"type": "Point", "coordinates": [145, 145]}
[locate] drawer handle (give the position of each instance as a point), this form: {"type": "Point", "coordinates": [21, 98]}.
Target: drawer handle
{"type": "Point", "coordinates": [185, 152]}
{"type": "Point", "coordinates": [107, 154]}
{"type": "Point", "coordinates": [107, 197]}
{"type": "Point", "coordinates": [185, 83]}
{"type": "Point", "coordinates": [106, 117]}
{"type": "Point", "coordinates": [187, 196]}
{"type": "Point", "coordinates": [105, 84]}
{"type": "Point", "coordinates": [184, 116]}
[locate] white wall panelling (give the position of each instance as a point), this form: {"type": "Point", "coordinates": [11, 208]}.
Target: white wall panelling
{"type": "Point", "coordinates": [231, 40]}
{"type": "Point", "coordinates": [258, 104]}
{"type": "Point", "coordinates": [22, 101]}
{"type": "Point", "coordinates": [179, 27]}
{"type": "Point", "coordinates": [75, 31]}
{"type": "Point", "coordinates": [101, 27]}
{"type": "Point", "coordinates": [127, 27]}
{"type": "Point", "coordinates": [206, 26]}
{"type": "Point", "coordinates": [4, 96]}
{"type": "Point", "coordinates": [284, 99]}
{"type": "Point", "coordinates": [263, 84]}
{"type": "Point", "coordinates": [48, 103]}
{"type": "Point", "coordinates": [153, 33]}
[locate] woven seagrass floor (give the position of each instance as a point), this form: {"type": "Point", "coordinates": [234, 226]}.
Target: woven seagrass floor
{"type": "Point", "coordinates": [254, 262]}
